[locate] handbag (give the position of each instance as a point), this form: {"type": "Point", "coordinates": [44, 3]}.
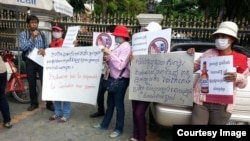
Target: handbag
{"type": "Point", "coordinates": [112, 84]}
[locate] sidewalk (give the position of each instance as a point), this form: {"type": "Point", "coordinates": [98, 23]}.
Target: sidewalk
{"type": "Point", "coordinates": [35, 126]}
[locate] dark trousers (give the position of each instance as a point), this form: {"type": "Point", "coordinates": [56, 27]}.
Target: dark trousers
{"type": "Point", "coordinates": [210, 114]}
{"type": "Point", "coordinates": [115, 100]}
{"type": "Point", "coordinates": [100, 96]}
{"type": "Point", "coordinates": [4, 105]}
{"type": "Point", "coordinates": [139, 119]}
{"type": "Point", "coordinates": [32, 69]}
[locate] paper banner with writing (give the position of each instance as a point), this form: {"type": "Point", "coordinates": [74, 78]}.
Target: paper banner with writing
{"type": "Point", "coordinates": [70, 36]}
{"type": "Point", "coordinates": [216, 89]}
{"type": "Point", "coordinates": [72, 74]}
{"type": "Point", "coordinates": [164, 78]}
{"type": "Point", "coordinates": [151, 42]}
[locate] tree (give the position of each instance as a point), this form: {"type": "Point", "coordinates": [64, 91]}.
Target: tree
{"type": "Point", "coordinates": [225, 8]}
{"type": "Point", "coordinates": [178, 8]}
{"type": "Point", "coordinates": [121, 7]}
{"type": "Point", "coordinates": [217, 9]}
{"type": "Point", "coordinates": [78, 5]}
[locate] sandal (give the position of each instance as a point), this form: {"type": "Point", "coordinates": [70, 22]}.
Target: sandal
{"type": "Point", "coordinates": [132, 139]}
{"type": "Point", "coordinates": [54, 117]}
{"type": "Point", "coordinates": [99, 127]}
{"type": "Point", "coordinates": [62, 120]}
{"type": "Point", "coordinates": [114, 134]}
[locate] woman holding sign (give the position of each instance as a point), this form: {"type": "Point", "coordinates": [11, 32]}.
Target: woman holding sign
{"type": "Point", "coordinates": [218, 110]}
{"type": "Point", "coordinates": [62, 108]}
{"type": "Point", "coordinates": [140, 107]}
{"type": "Point", "coordinates": [118, 72]}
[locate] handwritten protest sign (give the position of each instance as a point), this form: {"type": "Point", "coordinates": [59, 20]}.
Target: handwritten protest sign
{"type": "Point", "coordinates": [151, 42]}
{"type": "Point", "coordinates": [72, 74]}
{"type": "Point", "coordinates": [104, 40]}
{"type": "Point", "coordinates": [70, 36]}
{"type": "Point", "coordinates": [164, 78]}
{"type": "Point", "coordinates": [219, 91]}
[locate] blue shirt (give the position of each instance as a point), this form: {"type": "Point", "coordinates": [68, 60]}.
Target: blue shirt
{"type": "Point", "coordinates": [29, 44]}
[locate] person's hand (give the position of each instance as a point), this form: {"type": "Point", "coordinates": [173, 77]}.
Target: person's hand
{"type": "Point", "coordinates": [131, 57]}
{"type": "Point", "coordinates": [75, 42]}
{"type": "Point", "coordinates": [105, 58]}
{"type": "Point", "coordinates": [41, 51]}
{"type": "Point", "coordinates": [34, 34]}
{"type": "Point", "coordinates": [230, 76]}
{"type": "Point", "coordinates": [106, 51]}
{"type": "Point", "coordinates": [191, 51]}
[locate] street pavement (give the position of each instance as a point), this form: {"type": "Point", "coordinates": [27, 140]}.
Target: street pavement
{"type": "Point", "coordinates": [35, 125]}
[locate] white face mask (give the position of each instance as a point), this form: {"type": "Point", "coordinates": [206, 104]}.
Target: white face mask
{"type": "Point", "coordinates": [221, 44]}
{"type": "Point", "coordinates": [57, 34]}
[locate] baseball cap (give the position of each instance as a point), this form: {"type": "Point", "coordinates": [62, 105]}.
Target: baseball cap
{"type": "Point", "coordinates": [58, 27]}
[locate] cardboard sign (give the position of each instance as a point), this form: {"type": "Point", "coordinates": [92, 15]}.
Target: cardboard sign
{"type": "Point", "coordinates": [164, 78]}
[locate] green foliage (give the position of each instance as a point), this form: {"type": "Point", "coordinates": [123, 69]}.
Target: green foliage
{"type": "Point", "coordinates": [225, 8]}
{"type": "Point", "coordinates": [174, 8]}
{"type": "Point", "coordinates": [78, 5]}
{"type": "Point", "coordinates": [121, 7]}
{"type": "Point", "coordinates": [178, 8]}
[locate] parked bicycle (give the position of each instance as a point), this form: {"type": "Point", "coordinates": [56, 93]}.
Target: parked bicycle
{"type": "Point", "coordinates": [17, 83]}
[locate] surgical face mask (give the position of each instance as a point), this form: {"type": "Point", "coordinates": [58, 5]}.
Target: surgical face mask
{"type": "Point", "coordinates": [57, 35]}
{"type": "Point", "coordinates": [221, 44]}
{"type": "Point", "coordinates": [118, 40]}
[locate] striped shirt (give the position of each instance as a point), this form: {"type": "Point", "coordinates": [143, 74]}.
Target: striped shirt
{"type": "Point", "coordinates": [29, 44]}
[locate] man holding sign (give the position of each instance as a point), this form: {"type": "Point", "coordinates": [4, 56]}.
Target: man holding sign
{"type": "Point", "coordinates": [212, 107]}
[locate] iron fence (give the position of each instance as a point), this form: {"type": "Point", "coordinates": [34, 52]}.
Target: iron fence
{"type": "Point", "coordinates": [183, 29]}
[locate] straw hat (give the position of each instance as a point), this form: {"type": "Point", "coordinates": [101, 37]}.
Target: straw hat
{"type": "Point", "coordinates": [228, 28]}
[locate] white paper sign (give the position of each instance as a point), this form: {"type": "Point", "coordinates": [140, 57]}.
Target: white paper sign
{"type": "Point", "coordinates": [103, 40]}
{"type": "Point", "coordinates": [151, 42]}
{"type": "Point", "coordinates": [216, 67]}
{"type": "Point", "coordinates": [72, 74]}
{"type": "Point", "coordinates": [70, 36]}
{"type": "Point", "coordinates": [34, 56]}
{"type": "Point", "coordinates": [164, 78]}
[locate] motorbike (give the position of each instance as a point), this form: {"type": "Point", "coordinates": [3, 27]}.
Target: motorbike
{"type": "Point", "coordinates": [17, 83]}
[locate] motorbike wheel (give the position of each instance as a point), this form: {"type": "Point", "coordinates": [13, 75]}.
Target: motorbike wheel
{"type": "Point", "coordinates": [22, 97]}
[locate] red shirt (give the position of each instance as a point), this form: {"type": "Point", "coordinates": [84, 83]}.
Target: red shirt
{"type": "Point", "coordinates": [56, 43]}
{"type": "Point", "coordinates": [240, 61]}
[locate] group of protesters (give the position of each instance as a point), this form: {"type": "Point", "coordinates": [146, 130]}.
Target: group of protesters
{"type": "Point", "coordinates": [118, 68]}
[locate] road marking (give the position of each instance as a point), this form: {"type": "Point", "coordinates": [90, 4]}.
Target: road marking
{"type": "Point", "coordinates": [24, 115]}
